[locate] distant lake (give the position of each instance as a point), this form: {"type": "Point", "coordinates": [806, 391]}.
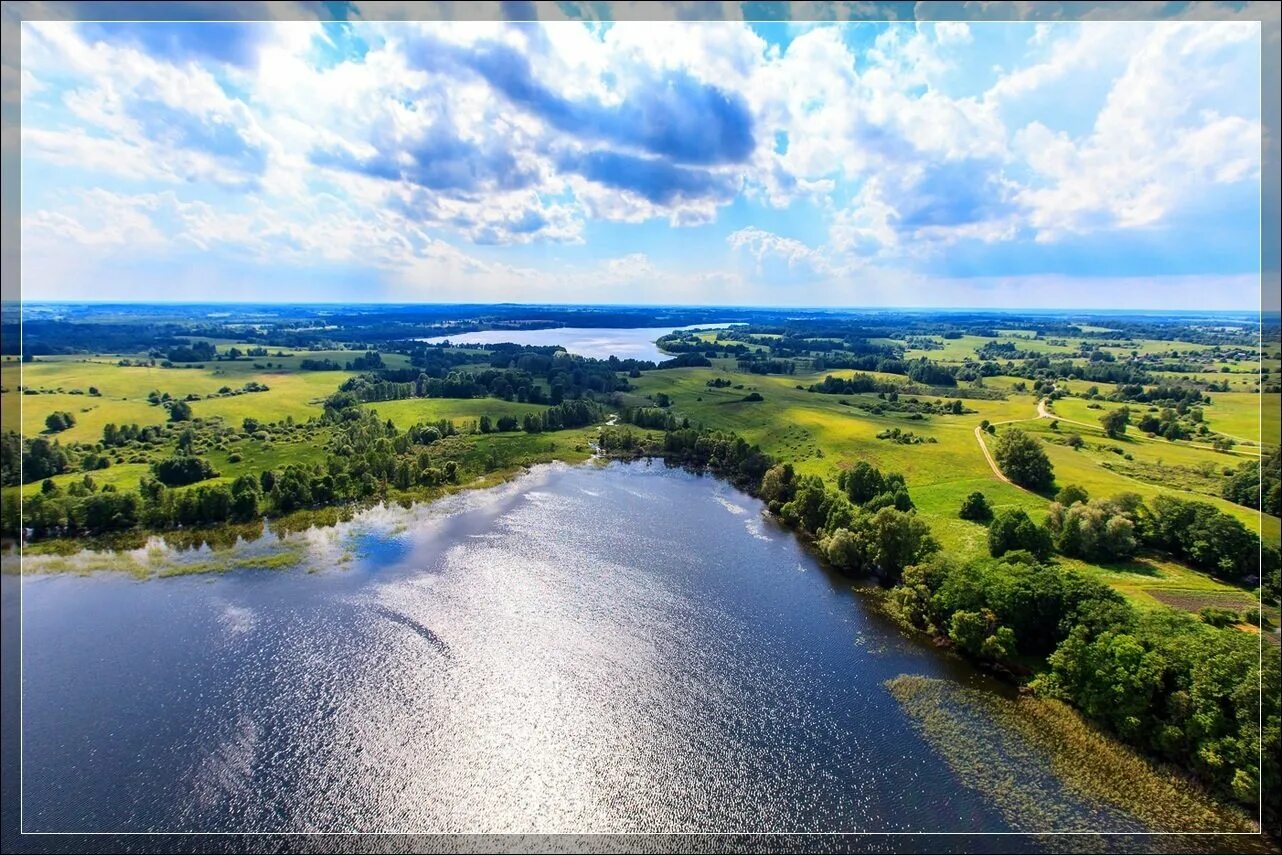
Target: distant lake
{"type": "Point", "coordinates": [595, 343]}
{"type": "Point", "coordinates": [586, 649]}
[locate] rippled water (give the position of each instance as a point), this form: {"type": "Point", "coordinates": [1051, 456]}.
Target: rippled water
{"type": "Point", "coordinates": [596, 343]}
{"type": "Point", "coordinates": [626, 648]}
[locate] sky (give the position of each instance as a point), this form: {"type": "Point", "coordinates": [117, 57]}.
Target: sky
{"type": "Point", "coordinates": [997, 165]}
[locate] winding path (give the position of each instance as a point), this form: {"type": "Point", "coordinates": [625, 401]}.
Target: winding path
{"type": "Point", "coordinates": [992, 464]}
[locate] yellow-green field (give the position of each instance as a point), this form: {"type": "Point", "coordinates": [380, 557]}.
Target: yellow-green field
{"type": "Point", "coordinates": [821, 435]}
{"type": "Point", "coordinates": [1235, 414]}
{"type": "Point", "coordinates": [123, 392]}
{"type": "Point", "coordinates": [411, 411]}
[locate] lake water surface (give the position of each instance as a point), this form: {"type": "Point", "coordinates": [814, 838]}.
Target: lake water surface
{"type": "Point", "coordinates": [595, 343]}
{"type": "Point", "coordinates": [587, 649]}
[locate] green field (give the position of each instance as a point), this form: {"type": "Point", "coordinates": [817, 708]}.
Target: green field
{"type": "Point", "coordinates": [1235, 414]}
{"type": "Point", "coordinates": [123, 392]}
{"type": "Point", "coordinates": [411, 411]}
{"type": "Point", "coordinates": [821, 434]}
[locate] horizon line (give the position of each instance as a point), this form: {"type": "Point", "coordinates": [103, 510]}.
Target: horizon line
{"type": "Point", "coordinates": [678, 306]}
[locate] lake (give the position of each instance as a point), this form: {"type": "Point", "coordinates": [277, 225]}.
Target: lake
{"type": "Point", "coordinates": [616, 648]}
{"type": "Point", "coordinates": [595, 343]}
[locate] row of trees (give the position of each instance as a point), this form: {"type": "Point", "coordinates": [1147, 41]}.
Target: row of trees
{"type": "Point", "coordinates": [867, 526]}
{"type": "Point", "coordinates": [1107, 530]}
{"type": "Point", "coordinates": [367, 458]}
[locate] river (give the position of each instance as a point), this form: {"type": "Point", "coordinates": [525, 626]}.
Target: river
{"type": "Point", "coordinates": [616, 648]}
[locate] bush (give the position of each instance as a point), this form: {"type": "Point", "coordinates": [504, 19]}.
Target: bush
{"type": "Point", "coordinates": [1013, 530]}
{"type": "Point", "coordinates": [883, 543]}
{"type": "Point", "coordinates": [59, 421]}
{"type": "Point", "coordinates": [975, 507]}
{"type": "Point", "coordinates": [1071, 495]}
{"type": "Point", "coordinates": [182, 469]}
{"type": "Point", "coordinates": [1218, 617]}
{"type": "Point", "coordinates": [1102, 530]}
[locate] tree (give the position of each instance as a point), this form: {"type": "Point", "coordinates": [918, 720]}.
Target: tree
{"type": "Point", "coordinates": [42, 459]}
{"type": "Point", "coordinates": [777, 486]}
{"type": "Point", "coordinates": [1023, 460]}
{"type": "Point", "coordinates": [975, 507]}
{"type": "Point", "coordinates": [1012, 529]}
{"type": "Point", "coordinates": [182, 469]}
{"type": "Point", "coordinates": [179, 411]}
{"type": "Point", "coordinates": [1207, 537]}
{"type": "Point", "coordinates": [245, 494]}
{"type": "Point", "coordinates": [11, 459]}
{"type": "Point", "coordinates": [59, 421]}
{"type": "Point", "coordinates": [1115, 421]}
{"type": "Point", "coordinates": [861, 482]}
{"type": "Point", "coordinates": [901, 539]}
{"type": "Point", "coordinates": [1254, 481]}
{"type": "Point", "coordinates": [807, 509]}
{"type": "Point", "coordinates": [1071, 495]}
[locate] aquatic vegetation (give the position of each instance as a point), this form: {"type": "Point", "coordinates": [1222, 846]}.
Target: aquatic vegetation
{"type": "Point", "coordinates": [1127, 792]}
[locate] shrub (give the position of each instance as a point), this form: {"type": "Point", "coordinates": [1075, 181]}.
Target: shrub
{"type": "Point", "coordinates": [182, 469]}
{"type": "Point", "coordinates": [1013, 530]}
{"type": "Point", "coordinates": [1218, 617]}
{"type": "Point", "coordinates": [975, 507]}
{"type": "Point", "coordinates": [1102, 530]}
{"type": "Point", "coordinates": [1071, 495]}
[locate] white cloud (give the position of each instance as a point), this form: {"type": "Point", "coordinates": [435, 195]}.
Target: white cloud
{"type": "Point", "coordinates": [1157, 143]}
{"type": "Point", "coordinates": [953, 33]}
{"type": "Point", "coordinates": [891, 153]}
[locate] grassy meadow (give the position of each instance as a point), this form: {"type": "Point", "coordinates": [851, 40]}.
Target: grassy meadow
{"type": "Point", "coordinates": [823, 434]}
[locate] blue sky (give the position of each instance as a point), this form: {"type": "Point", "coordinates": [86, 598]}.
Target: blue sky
{"type": "Point", "coordinates": [1101, 164]}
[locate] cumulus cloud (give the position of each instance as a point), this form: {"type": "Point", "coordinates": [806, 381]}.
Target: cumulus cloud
{"type": "Point", "coordinates": [451, 149]}
{"type": "Point", "coordinates": [1158, 142]}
